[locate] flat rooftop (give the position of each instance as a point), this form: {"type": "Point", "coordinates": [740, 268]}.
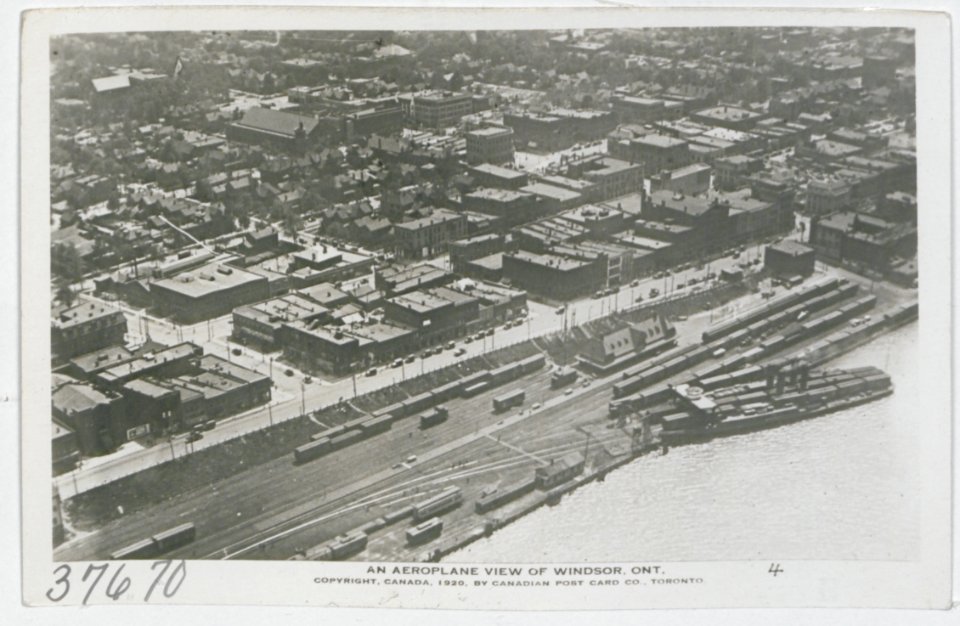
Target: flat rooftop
{"type": "Point", "coordinates": [131, 369]}
{"type": "Point", "coordinates": [728, 113]}
{"type": "Point", "coordinates": [81, 314]}
{"type": "Point", "coordinates": [498, 171]}
{"type": "Point", "coordinates": [561, 263]}
{"type": "Point", "coordinates": [574, 184]}
{"type": "Point", "coordinates": [421, 301]}
{"type": "Point", "coordinates": [491, 131]}
{"type": "Point", "coordinates": [610, 165]}
{"type": "Point", "coordinates": [284, 308]}
{"type": "Point", "coordinates": [493, 262]}
{"type": "Point", "coordinates": [499, 195]}
{"type": "Point", "coordinates": [439, 216]}
{"type": "Point", "coordinates": [208, 279]}
{"type": "Point", "coordinates": [694, 205]}
{"type": "Point", "coordinates": [590, 213]}
{"type": "Point", "coordinates": [550, 191]}
{"type": "Point", "coordinates": [793, 248]}
{"type": "Point", "coordinates": [324, 293]}
{"type": "Point", "coordinates": [644, 243]}
{"type": "Point", "coordinates": [657, 140]}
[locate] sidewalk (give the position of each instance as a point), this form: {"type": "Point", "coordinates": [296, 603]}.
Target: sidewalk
{"type": "Point", "coordinates": [293, 397]}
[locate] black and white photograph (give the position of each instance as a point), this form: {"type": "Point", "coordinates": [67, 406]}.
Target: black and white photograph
{"type": "Point", "coordinates": [429, 302]}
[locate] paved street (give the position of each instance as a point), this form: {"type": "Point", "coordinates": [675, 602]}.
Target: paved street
{"type": "Point", "coordinates": [293, 396]}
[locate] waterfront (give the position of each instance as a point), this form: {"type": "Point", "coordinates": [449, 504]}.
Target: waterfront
{"type": "Point", "coordinates": [837, 487]}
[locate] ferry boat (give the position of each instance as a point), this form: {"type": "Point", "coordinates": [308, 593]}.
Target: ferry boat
{"type": "Point", "coordinates": [779, 398]}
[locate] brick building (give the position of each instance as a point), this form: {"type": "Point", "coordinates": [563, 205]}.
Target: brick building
{"type": "Point", "coordinates": [207, 292]}
{"type": "Point", "coordinates": [789, 258]}
{"type": "Point", "coordinates": [344, 349]}
{"type": "Point", "coordinates": [514, 207]}
{"type": "Point", "coordinates": [438, 314]}
{"type": "Point", "coordinates": [490, 145]}
{"type": "Point", "coordinates": [863, 240]}
{"type": "Point", "coordinates": [378, 121]}
{"type": "Point", "coordinates": [655, 151]}
{"type": "Point", "coordinates": [287, 131]}
{"type": "Point", "coordinates": [84, 328]}
{"type": "Point", "coordinates": [259, 324]}
{"type": "Point", "coordinates": [827, 196]}
{"type": "Point", "coordinates": [438, 109]}
{"type": "Point", "coordinates": [427, 236]}
{"type": "Point", "coordinates": [552, 275]}
{"type": "Point", "coordinates": [490, 175]}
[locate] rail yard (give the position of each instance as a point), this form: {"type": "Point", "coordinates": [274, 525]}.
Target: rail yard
{"type": "Point", "coordinates": [418, 479]}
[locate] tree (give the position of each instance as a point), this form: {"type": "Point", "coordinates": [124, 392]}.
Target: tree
{"type": "Point", "coordinates": [65, 295]}
{"type": "Point", "coordinates": [66, 262]}
{"type": "Point", "coordinates": [290, 222]}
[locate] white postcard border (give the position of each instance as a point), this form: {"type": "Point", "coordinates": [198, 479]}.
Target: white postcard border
{"type": "Point", "coordinates": [924, 583]}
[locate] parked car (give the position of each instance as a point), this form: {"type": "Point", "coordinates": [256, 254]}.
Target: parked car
{"type": "Point", "coordinates": [194, 436]}
{"type": "Point", "coordinates": [410, 359]}
{"type": "Point", "coordinates": [561, 310]}
{"type": "Point", "coordinates": [460, 352]}
{"type": "Point", "coordinates": [372, 371]}
{"type": "Point", "coordinates": [397, 363]}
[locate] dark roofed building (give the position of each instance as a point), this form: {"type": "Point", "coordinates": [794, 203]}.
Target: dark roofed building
{"type": "Point", "coordinates": [84, 328]}
{"type": "Point", "coordinates": [269, 127]}
{"type": "Point", "coordinates": [789, 258]}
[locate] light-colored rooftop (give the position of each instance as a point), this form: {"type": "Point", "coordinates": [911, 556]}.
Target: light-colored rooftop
{"type": "Point", "coordinates": [208, 279]}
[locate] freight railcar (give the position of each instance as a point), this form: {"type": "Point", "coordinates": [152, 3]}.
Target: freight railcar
{"type": "Point", "coordinates": [448, 499]}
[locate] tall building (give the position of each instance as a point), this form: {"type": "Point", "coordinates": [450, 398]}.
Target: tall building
{"type": "Point", "coordinates": [490, 145]}
{"type": "Point", "coordinates": [84, 328]}
{"type": "Point", "coordinates": [438, 109]}
{"type": "Point", "coordinates": [827, 196]}
{"type": "Point", "coordinates": [427, 236]}
{"type": "Point", "coordinates": [656, 151]}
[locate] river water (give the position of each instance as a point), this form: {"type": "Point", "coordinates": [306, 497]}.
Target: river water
{"type": "Point", "coordinates": [838, 487]}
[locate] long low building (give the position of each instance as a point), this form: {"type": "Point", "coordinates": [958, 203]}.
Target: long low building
{"type": "Point", "coordinates": [206, 292]}
{"type": "Point", "coordinates": [437, 314]}
{"type": "Point", "coordinates": [213, 389]}
{"type": "Point", "coordinates": [277, 128]}
{"type": "Point", "coordinates": [154, 395]}
{"type": "Point", "coordinates": [343, 349]}
{"type": "Point", "coordinates": [552, 275]}
{"type": "Point", "coordinates": [259, 324]}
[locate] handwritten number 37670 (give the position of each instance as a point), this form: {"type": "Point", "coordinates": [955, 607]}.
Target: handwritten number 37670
{"type": "Point", "coordinates": [166, 580]}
